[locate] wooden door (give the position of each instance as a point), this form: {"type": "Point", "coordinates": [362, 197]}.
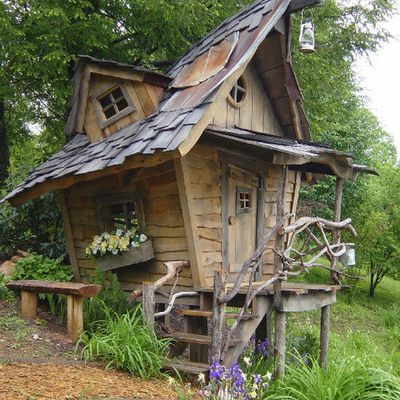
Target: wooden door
{"type": "Point", "coordinates": [242, 216]}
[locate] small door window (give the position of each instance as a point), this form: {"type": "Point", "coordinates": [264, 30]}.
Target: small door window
{"type": "Point", "coordinates": [244, 200]}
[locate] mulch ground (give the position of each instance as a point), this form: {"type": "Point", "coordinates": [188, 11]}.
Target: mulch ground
{"type": "Point", "coordinates": [38, 362]}
{"type": "Point", "coordinates": [56, 382]}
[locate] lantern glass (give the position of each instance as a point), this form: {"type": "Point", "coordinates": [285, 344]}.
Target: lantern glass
{"type": "Point", "coordinates": [307, 37]}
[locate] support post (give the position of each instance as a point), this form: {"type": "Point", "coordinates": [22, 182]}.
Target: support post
{"type": "Point", "coordinates": [148, 303]}
{"type": "Point", "coordinates": [324, 337]}
{"type": "Point", "coordinates": [280, 318]}
{"type": "Point", "coordinates": [29, 302]}
{"type": "Point", "coordinates": [218, 317]}
{"type": "Point", "coordinates": [336, 218]}
{"type": "Point", "coordinates": [74, 316]}
{"type": "Point", "coordinates": [280, 343]}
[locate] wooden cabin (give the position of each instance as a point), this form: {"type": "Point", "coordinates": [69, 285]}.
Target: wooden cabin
{"type": "Point", "coordinates": [197, 153]}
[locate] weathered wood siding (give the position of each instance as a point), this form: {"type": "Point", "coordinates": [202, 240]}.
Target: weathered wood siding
{"type": "Point", "coordinates": [205, 180]}
{"type": "Point", "coordinates": [145, 98]}
{"type": "Point", "coordinates": [256, 112]}
{"type": "Point", "coordinates": [291, 198]}
{"type": "Point", "coordinates": [163, 217]}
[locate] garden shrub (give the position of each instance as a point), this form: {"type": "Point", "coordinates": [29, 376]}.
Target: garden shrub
{"type": "Point", "coordinates": [111, 295]}
{"type": "Point", "coordinates": [5, 294]}
{"type": "Point", "coordinates": [38, 267]}
{"type": "Point", "coordinates": [125, 342]}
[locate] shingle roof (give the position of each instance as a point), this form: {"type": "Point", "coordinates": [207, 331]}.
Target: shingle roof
{"type": "Point", "coordinates": [180, 110]}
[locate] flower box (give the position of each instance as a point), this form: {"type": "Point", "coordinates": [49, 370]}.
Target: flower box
{"type": "Point", "coordinates": [135, 255]}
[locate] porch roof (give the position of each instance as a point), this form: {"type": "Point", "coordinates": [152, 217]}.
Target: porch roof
{"type": "Point", "coordinates": [300, 155]}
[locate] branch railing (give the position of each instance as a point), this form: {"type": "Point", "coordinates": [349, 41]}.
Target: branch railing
{"type": "Point", "coordinates": [294, 263]}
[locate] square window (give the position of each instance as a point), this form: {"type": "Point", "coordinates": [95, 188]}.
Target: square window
{"type": "Point", "coordinates": [244, 200]}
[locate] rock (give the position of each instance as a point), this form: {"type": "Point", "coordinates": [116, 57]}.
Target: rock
{"type": "Point", "coordinates": [15, 259]}
{"type": "Point", "coordinates": [7, 268]}
{"type": "Point", "coordinates": [23, 254]}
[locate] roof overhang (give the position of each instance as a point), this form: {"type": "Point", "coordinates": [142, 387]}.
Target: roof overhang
{"type": "Point", "coordinates": [298, 155]}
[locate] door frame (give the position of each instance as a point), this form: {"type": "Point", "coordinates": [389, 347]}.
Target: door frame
{"type": "Point", "coordinates": [258, 168]}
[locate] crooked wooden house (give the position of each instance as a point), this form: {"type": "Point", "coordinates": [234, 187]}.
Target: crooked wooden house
{"type": "Point", "coordinates": [197, 153]}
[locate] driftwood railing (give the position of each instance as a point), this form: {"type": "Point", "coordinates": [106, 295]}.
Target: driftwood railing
{"type": "Point", "coordinates": [151, 288]}
{"type": "Point", "coordinates": [293, 262]}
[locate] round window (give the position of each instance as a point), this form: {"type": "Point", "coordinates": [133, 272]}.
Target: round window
{"type": "Point", "coordinates": [238, 93]}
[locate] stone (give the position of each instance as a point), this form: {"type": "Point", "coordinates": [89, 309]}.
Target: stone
{"type": "Point", "coordinates": [7, 268]}
{"type": "Point", "coordinates": [15, 259]}
{"type": "Point", "coordinates": [23, 254]}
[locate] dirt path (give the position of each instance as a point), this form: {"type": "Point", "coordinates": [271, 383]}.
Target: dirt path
{"type": "Point", "coordinates": [38, 362]}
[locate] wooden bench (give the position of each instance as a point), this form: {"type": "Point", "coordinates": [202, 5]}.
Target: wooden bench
{"type": "Point", "coordinates": [75, 293]}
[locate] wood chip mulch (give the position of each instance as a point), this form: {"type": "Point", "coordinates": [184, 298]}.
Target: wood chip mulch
{"type": "Point", "coordinates": [75, 382]}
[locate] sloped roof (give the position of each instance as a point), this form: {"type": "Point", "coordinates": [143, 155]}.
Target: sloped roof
{"type": "Point", "coordinates": [180, 110]}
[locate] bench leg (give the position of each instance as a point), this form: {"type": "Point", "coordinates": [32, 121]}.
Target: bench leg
{"type": "Point", "coordinates": [29, 302]}
{"type": "Point", "coordinates": [74, 316]}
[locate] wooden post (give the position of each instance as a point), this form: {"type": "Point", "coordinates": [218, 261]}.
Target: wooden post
{"type": "Point", "coordinates": [280, 343]}
{"type": "Point", "coordinates": [74, 316]}
{"type": "Point", "coordinates": [28, 304]}
{"type": "Point", "coordinates": [324, 337]}
{"type": "Point", "coordinates": [218, 317]}
{"type": "Point", "coordinates": [336, 218]}
{"type": "Point", "coordinates": [148, 303]}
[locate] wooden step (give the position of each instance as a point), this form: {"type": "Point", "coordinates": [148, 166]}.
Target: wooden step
{"type": "Point", "coordinates": [208, 314]}
{"type": "Point", "coordinates": [194, 338]}
{"type": "Point", "coordinates": [189, 367]}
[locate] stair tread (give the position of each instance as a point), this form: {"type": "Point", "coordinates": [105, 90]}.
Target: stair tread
{"type": "Point", "coordinates": [195, 338]}
{"type": "Point", "coordinates": [189, 367]}
{"type": "Point", "coordinates": [207, 314]}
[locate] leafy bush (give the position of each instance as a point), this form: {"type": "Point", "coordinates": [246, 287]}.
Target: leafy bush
{"type": "Point", "coordinates": [111, 295]}
{"type": "Point", "coordinates": [5, 294]}
{"type": "Point", "coordinates": [38, 267]}
{"type": "Point", "coordinates": [42, 268]}
{"type": "Point", "coordinates": [126, 343]}
{"type": "Point", "coordinates": [345, 379]}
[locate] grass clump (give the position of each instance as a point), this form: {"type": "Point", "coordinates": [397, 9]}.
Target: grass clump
{"type": "Point", "coordinates": [126, 343]}
{"type": "Point", "coordinates": [345, 379]}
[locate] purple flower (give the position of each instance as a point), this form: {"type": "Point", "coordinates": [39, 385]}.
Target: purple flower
{"type": "Point", "coordinates": [263, 348]}
{"type": "Point", "coordinates": [217, 371]}
{"type": "Point", "coordinates": [257, 379]}
{"type": "Point", "coordinates": [305, 358]}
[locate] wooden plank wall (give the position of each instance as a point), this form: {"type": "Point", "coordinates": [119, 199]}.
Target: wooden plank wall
{"type": "Point", "coordinates": [291, 198]}
{"type": "Point", "coordinates": [255, 114]}
{"type": "Point", "coordinates": [163, 220]}
{"type": "Point", "coordinates": [205, 179]}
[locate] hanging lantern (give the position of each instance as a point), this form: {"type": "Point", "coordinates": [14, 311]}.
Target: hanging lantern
{"type": "Point", "coordinates": [307, 37]}
{"type": "Point", "coordinates": [348, 259]}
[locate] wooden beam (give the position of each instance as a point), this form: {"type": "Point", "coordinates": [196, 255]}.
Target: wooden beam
{"type": "Point", "coordinates": [189, 218]}
{"type": "Point", "coordinates": [298, 5]}
{"type": "Point", "coordinates": [69, 235]}
{"type": "Point", "coordinates": [337, 215]}
{"type": "Point", "coordinates": [29, 302]}
{"type": "Point", "coordinates": [280, 343]}
{"type": "Point", "coordinates": [74, 316]}
{"type": "Point", "coordinates": [148, 303]}
{"type": "Point", "coordinates": [324, 337]}
{"type": "Point", "coordinates": [307, 302]}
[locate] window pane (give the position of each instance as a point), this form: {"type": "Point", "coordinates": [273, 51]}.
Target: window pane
{"type": "Point", "coordinates": [109, 112]}
{"type": "Point", "coordinates": [122, 104]}
{"type": "Point", "coordinates": [105, 101]}
{"type": "Point", "coordinates": [117, 94]}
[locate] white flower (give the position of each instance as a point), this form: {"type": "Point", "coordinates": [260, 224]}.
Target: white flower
{"type": "Point", "coordinates": [119, 232]}
{"type": "Point", "coordinates": [135, 244]}
{"type": "Point", "coordinates": [142, 238]}
{"type": "Point", "coordinates": [201, 378]}
{"type": "Point", "coordinates": [247, 360]}
{"type": "Point", "coordinates": [268, 376]}
{"type": "Point", "coordinates": [171, 381]}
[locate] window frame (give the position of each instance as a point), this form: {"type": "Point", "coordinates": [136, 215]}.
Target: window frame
{"type": "Point", "coordinates": [239, 190]}
{"type": "Point", "coordinates": [101, 118]}
{"type": "Point", "coordinates": [232, 101]}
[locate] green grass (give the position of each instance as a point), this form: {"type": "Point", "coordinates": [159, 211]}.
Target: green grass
{"type": "Point", "coordinates": [363, 327]}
